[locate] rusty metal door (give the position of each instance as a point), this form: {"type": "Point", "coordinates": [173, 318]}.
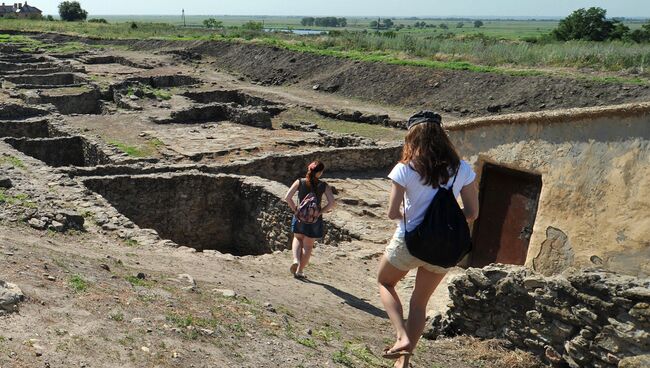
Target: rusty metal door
{"type": "Point", "coordinates": [508, 206]}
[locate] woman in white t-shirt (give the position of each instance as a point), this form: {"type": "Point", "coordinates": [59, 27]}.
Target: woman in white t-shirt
{"type": "Point", "coordinates": [429, 160]}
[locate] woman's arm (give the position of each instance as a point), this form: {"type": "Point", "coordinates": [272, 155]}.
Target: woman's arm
{"type": "Point", "coordinates": [331, 202]}
{"type": "Point", "coordinates": [396, 198]}
{"type": "Point", "coordinates": [289, 197]}
{"type": "Point", "coordinates": [469, 194]}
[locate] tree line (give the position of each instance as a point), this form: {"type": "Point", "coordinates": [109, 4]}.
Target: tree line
{"type": "Point", "coordinates": [324, 22]}
{"type": "Point", "coordinates": [593, 25]}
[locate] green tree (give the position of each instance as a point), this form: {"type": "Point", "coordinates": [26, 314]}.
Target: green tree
{"type": "Point", "coordinates": [307, 21]}
{"type": "Point", "coordinates": [586, 24]}
{"type": "Point", "coordinates": [253, 26]}
{"type": "Point", "coordinates": [212, 23]}
{"type": "Point", "coordinates": [478, 24]}
{"type": "Point", "coordinates": [71, 11]}
{"type": "Point", "coordinates": [388, 23]}
{"type": "Point", "coordinates": [443, 26]}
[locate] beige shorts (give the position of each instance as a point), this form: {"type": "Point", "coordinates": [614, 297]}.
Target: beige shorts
{"type": "Point", "coordinates": [398, 255]}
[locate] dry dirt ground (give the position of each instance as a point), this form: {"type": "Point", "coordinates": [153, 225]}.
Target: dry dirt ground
{"type": "Point", "coordinates": [99, 298]}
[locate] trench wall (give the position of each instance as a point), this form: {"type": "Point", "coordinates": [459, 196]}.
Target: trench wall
{"type": "Point", "coordinates": [60, 151]}
{"type": "Point", "coordinates": [595, 167]}
{"type": "Point", "coordinates": [589, 318]}
{"type": "Point", "coordinates": [231, 214]}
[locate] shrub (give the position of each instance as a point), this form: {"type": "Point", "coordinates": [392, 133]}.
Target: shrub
{"type": "Point", "coordinates": [71, 11]}
{"type": "Point", "coordinates": [478, 24]}
{"type": "Point", "coordinates": [212, 23]}
{"type": "Point", "coordinates": [98, 20]}
{"type": "Point", "coordinates": [253, 26]}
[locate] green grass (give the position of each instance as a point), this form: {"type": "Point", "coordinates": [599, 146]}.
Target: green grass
{"type": "Point", "coordinates": [132, 151]}
{"type": "Point", "coordinates": [305, 341]}
{"type": "Point", "coordinates": [12, 161]}
{"type": "Point", "coordinates": [78, 284]}
{"type": "Point", "coordinates": [133, 280]}
{"type": "Point", "coordinates": [498, 47]}
{"type": "Point", "coordinates": [20, 199]}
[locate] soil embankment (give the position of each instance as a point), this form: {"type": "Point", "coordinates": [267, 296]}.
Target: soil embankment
{"type": "Point", "coordinates": [454, 92]}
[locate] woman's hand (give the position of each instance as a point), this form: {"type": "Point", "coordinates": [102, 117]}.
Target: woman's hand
{"type": "Point", "coordinates": [289, 197]}
{"type": "Point", "coordinates": [331, 202]}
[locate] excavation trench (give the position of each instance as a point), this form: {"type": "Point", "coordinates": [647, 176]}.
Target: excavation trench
{"type": "Point", "coordinates": [230, 214]}
{"type": "Point", "coordinates": [46, 80]}
{"type": "Point", "coordinates": [39, 128]}
{"type": "Point", "coordinates": [10, 111]}
{"type": "Point", "coordinates": [61, 151]}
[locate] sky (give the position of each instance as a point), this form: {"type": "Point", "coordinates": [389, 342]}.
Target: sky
{"type": "Point", "coordinates": [531, 8]}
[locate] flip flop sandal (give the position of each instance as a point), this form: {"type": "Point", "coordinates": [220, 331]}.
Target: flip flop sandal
{"type": "Point", "coordinates": [388, 354]}
{"type": "Point", "coordinates": [300, 276]}
{"type": "Point", "coordinates": [293, 268]}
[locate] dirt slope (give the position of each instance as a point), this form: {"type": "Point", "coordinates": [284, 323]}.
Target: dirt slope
{"type": "Point", "coordinates": [460, 93]}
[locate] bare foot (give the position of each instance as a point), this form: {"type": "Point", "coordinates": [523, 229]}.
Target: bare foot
{"type": "Point", "coordinates": [401, 345]}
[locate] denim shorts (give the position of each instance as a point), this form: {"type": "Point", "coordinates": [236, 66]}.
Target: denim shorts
{"type": "Point", "coordinates": [314, 230]}
{"type": "Point", "coordinates": [399, 257]}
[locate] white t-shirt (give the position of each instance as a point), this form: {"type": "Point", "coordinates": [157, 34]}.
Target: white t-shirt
{"type": "Point", "coordinates": [419, 196]}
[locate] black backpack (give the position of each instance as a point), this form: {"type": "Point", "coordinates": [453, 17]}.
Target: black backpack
{"type": "Point", "coordinates": [442, 238]}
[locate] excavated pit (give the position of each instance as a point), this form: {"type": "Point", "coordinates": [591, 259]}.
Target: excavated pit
{"type": "Point", "coordinates": [38, 128]}
{"type": "Point", "coordinates": [23, 58]}
{"type": "Point", "coordinates": [214, 112]}
{"type": "Point", "coordinates": [68, 100]}
{"type": "Point", "coordinates": [28, 70]}
{"type": "Point", "coordinates": [111, 59]}
{"type": "Point", "coordinates": [236, 97]}
{"type": "Point", "coordinates": [158, 81]}
{"type": "Point", "coordinates": [230, 214]}
{"type": "Point", "coordinates": [60, 151]}
{"type": "Point", "coordinates": [12, 66]}
{"type": "Point", "coordinates": [11, 111]}
{"type": "Point", "coordinates": [46, 80]}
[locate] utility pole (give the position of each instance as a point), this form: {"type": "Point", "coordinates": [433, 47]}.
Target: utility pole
{"type": "Point", "coordinates": [184, 24]}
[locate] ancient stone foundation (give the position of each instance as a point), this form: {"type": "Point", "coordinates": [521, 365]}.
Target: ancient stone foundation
{"type": "Point", "coordinates": [230, 214]}
{"type": "Point", "coordinates": [55, 80]}
{"type": "Point", "coordinates": [37, 128]}
{"type": "Point", "coordinates": [588, 318]}
{"type": "Point", "coordinates": [61, 151]}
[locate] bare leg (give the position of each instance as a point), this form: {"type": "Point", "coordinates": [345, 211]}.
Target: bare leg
{"type": "Point", "coordinates": [307, 248]}
{"type": "Point", "coordinates": [425, 284]}
{"type": "Point", "coordinates": [387, 278]}
{"type": "Point", "coordinates": [296, 249]}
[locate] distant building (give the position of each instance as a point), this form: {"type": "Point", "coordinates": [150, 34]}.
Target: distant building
{"type": "Point", "coordinates": [20, 10]}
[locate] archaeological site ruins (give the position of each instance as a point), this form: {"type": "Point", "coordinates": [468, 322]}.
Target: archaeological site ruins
{"type": "Point", "coordinates": [173, 158]}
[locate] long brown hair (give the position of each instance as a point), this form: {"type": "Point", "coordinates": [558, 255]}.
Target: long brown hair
{"type": "Point", "coordinates": [313, 169]}
{"type": "Point", "coordinates": [429, 151]}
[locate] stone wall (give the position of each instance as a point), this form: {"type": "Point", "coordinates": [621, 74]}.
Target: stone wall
{"type": "Point", "coordinates": [62, 151]}
{"type": "Point", "coordinates": [589, 318]}
{"type": "Point", "coordinates": [251, 116]}
{"type": "Point", "coordinates": [77, 100]}
{"type": "Point", "coordinates": [231, 214]}
{"type": "Point", "coordinates": [38, 128]}
{"type": "Point", "coordinates": [10, 111]}
{"type": "Point", "coordinates": [283, 168]}
{"type": "Point", "coordinates": [56, 79]}
{"type": "Point", "coordinates": [286, 168]}
{"type": "Point", "coordinates": [594, 163]}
